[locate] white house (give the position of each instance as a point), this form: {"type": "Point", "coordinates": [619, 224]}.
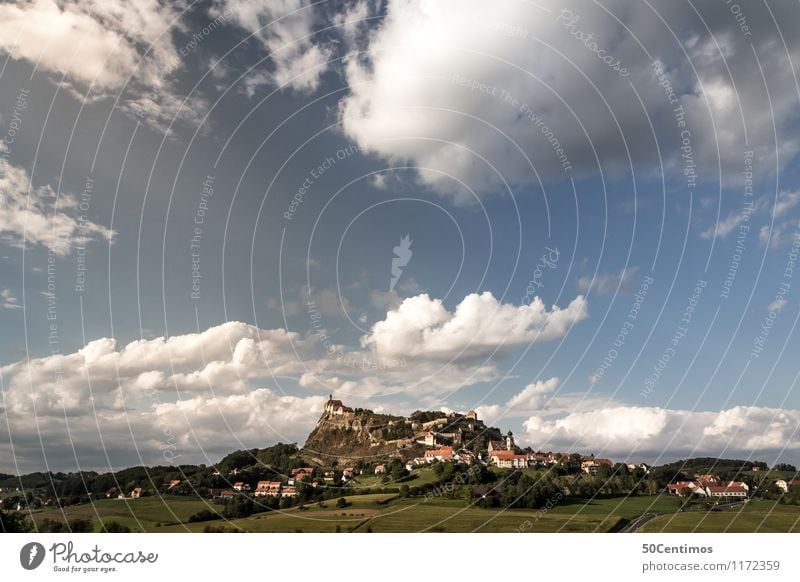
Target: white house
{"type": "Point", "coordinates": [508, 460]}
{"type": "Point", "coordinates": [693, 487]}
{"type": "Point", "coordinates": [732, 489]}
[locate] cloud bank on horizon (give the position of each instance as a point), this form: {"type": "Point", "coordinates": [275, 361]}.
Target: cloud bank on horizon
{"type": "Point", "coordinates": [211, 383]}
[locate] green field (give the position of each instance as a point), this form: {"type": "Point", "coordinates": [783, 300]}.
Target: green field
{"type": "Point", "coordinates": [384, 512]}
{"type": "Point", "coordinates": [142, 514]}
{"type": "Point", "coordinates": [759, 516]}
{"type": "Point", "coordinates": [411, 515]}
{"type": "Point", "coordinates": [312, 518]}
{"type": "Point", "coordinates": [417, 478]}
{"type": "Point", "coordinates": [626, 507]}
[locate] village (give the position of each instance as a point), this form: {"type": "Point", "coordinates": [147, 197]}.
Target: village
{"type": "Point", "coordinates": [443, 441]}
{"type": "Point", "coordinates": [426, 458]}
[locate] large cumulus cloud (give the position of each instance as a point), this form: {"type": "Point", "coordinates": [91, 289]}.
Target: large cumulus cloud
{"type": "Point", "coordinates": [480, 91]}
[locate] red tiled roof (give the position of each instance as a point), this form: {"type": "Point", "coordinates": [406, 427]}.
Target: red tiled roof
{"type": "Point", "coordinates": [442, 452]}
{"type": "Point", "coordinates": [683, 484]}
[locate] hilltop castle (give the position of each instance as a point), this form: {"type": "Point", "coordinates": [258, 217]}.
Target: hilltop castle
{"type": "Point", "coordinates": [336, 407]}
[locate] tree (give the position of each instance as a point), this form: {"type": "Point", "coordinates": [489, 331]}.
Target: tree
{"type": "Point", "coordinates": [398, 470]}
{"type": "Point", "coordinates": [204, 515]}
{"type": "Point", "coordinates": [80, 525]}
{"type": "Point", "coordinates": [604, 471]}
{"type": "Point", "coordinates": [341, 503]}
{"type": "Point", "coordinates": [50, 525]}
{"type": "Point", "coordinates": [469, 495]}
{"type": "Point", "coordinates": [13, 523]}
{"type": "Point", "coordinates": [239, 506]}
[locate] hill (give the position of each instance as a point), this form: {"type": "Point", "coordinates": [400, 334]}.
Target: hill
{"type": "Point", "coordinates": [729, 468]}
{"type": "Point", "coordinates": [347, 435]}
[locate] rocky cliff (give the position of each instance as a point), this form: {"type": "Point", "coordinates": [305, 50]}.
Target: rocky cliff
{"type": "Point", "coordinates": [347, 436]}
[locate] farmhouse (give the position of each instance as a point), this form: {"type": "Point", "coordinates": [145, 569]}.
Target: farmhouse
{"type": "Point", "coordinates": [464, 456]}
{"type": "Point", "coordinates": [538, 458]}
{"type": "Point", "coordinates": [241, 486]}
{"type": "Point", "coordinates": [137, 493]}
{"type": "Point", "coordinates": [785, 485]}
{"type": "Point", "coordinates": [707, 479]}
{"type": "Point", "coordinates": [442, 454]}
{"type": "Point", "coordinates": [732, 489]}
{"type": "Point", "coordinates": [301, 472]}
{"type": "Point", "coordinates": [508, 459]}
{"type": "Point", "coordinates": [591, 465]}
{"type": "Point", "coordinates": [268, 488]}
{"type": "Point", "coordinates": [681, 488]}
{"type": "Point", "coordinates": [222, 493]}
{"type": "Point", "coordinates": [380, 469]}
{"type": "Point", "coordinates": [173, 484]}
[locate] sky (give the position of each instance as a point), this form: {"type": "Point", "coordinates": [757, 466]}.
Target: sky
{"type": "Point", "coordinates": [580, 219]}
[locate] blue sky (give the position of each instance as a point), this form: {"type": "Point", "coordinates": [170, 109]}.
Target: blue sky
{"type": "Point", "coordinates": [490, 136]}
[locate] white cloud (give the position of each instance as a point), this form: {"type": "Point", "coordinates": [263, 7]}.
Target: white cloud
{"type": "Point", "coordinates": [772, 208]}
{"type": "Point", "coordinates": [353, 20]}
{"type": "Point", "coordinates": [194, 392]}
{"type": "Point", "coordinates": [443, 83]}
{"type": "Point", "coordinates": [36, 216]}
{"type": "Point", "coordinates": [8, 300]}
{"type": "Point", "coordinates": [220, 360]}
{"type": "Point", "coordinates": [777, 305]}
{"type": "Point", "coordinates": [65, 39]}
{"type": "Point", "coordinates": [607, 283]}
{"type": "Point", "coordinates": [199, 390]}
{"type": "Point", "coordinates": [623, 430]}
{"type": "Point", "coordinates": [534, 396]}
{"type": "Point", "coordinates": [423, 329]}
{"type": "Point", "coordinates": [196, 430]}
{"type": "Point", "coordinates": [724, 227]}
{"type": "Point", "coordinates": [489, 413]}
{"type": "Point", "coordinates": [285, 29]}
{"type": "Point", "coordinates": [105, 47]}
{"type": "Point", "coordinates": [199, 395]}
{"type": "Point", "coordinates": [259, 416]}
{"type": "Point", "coordinates": [786, 201]}
{"type": "Point", "coordinates": [543, 398]}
